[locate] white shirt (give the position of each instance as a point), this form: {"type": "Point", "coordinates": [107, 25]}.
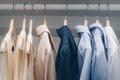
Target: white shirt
{"type": "Point", "coordinates": [113, 54]}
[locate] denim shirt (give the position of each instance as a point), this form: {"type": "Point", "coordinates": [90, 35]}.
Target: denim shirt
{"type": "Point", "coordinates": [84, 51]}
{"type": "Point", "coordinates": [67, 57]}
{"type": "Point", "coordinates": [99, 66]}
{"type": "Point", "coordinates": [114, 54]}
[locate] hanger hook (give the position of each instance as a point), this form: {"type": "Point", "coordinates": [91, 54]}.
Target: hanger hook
{"type": "Point", "coordinates": [107, 11]}
{"type": "Point", "coordinates": [32, 10]}
{"type": "Point", "coordinates": [24, 9]}
{"type": "Point", "coordinates": [86, 13]}
{"type": "Point", "coordinates": [98, 10]}
{"type": "Point", "coordinates": [66, 11]}
{"type": "Point", "coordinates": [13, 9]}
{"type": "Point", "coordinates": [44, 11]}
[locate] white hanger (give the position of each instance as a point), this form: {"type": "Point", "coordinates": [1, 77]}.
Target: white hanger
{"type": "Point", "coordinates": [65, 19]}
{"type": "Point", "coordinates": [97, 18]}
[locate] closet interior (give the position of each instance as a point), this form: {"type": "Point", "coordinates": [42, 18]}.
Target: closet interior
{"type": "Point", "coordinates": [55, 14]}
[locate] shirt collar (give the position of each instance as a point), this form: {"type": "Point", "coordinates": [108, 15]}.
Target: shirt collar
{"type": "Point", "coordinates": [96, 25]}
{"type": "Point", "coordinates": [100, 27]}
{"type": "Point", "coordinates": [63, 31]}
{"type": "Point", "coordinates": [67, 37]}
{"type": "Point", "coordinates": [82, 28]}
{"type": "Point", "coordinates": [42, 28]}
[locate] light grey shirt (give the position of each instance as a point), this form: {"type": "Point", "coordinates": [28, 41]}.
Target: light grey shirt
{"type": "Point", "coordinates": [84, 51]}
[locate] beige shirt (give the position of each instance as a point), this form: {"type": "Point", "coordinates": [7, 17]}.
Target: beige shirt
{"type": "Point", "coordinates": [8, 58]}
{"type": "Point", "coordinates": [44, 68]}
{"type": "Point", "coordinates": [29, 51]}
{"type": "Point", "coordinates": [20, 65]}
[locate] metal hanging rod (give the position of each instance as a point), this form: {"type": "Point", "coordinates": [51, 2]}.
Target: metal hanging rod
{"type": "Point", "coordinates": [19, 7]}
{"type": "Point", "coordinates": [60, 9]}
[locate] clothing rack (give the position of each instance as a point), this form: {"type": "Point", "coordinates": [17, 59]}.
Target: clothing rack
{"type": "Point", "coordinates": [59, 9]}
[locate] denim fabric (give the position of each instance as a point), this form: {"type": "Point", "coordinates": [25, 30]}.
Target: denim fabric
{"type": "Point", "coordinates": [84, 51]}
{"type": "Point", "coordinates": [67, 57]}
{"type": "Point", "coordinates": [113, 54]}
{"type": "Point", "coordinates": [99, 66]}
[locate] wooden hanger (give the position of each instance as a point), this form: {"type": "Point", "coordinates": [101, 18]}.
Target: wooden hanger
{"type": "Point", "coordinates": [44, 19]}
{"type": "Point", "coordinates": [97, 18]}
{"type": "Point", "coordinates": [107, 22]}
{"type": "Point", "coordinates": [85, 20]}
{"type": "Point", "coordinates": [97, 21]}
{"type": "Point", "coordinates": [65, 19]}
{"type": "Point", "coordinates": [65, 22]}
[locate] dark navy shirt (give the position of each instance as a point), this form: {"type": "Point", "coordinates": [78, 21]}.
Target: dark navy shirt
{"type": "Point", "coordinates": [67, 57]}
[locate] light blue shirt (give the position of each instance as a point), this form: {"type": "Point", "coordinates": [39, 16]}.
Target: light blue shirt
{"type": "Point", "coordinates": [113, 54]}
{"type": "Point", "coordinates": [99, 66]}
{"type": "Point", "coordinates": [84, 51]}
